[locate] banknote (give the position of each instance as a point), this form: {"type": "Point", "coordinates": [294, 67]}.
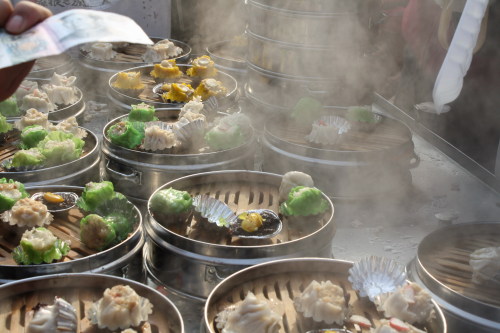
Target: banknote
{"type": "Point", "coordinates": [65, 30]}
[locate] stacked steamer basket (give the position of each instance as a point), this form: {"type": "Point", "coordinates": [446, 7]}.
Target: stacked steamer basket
{"type": "Point", "coordinates": [137, 173]}
{"type": "Point", "coordinates": [360, 165]}
{"type": "Point", "coordinates": [81, 291]}
{"type": "Point", "coordinates": [152, 93]}
{"type": "Point", "coordinates": [442, 266]}
{"type": "Point", "coordinates": [123, 259]}
{"type": "Point", "coordinates": [191, 262]}
{"type": "Point", "coordinates": [77, 172]}
{"type": "Point", "coordinates": [96, 73]}
{"type": "Point", "coordinates": [230, 57]}
{"type": "Point", "coordinates": [298, 49]}
{"type": "Point", "coordinates": [44, 68]}
{"type": "Point", "coordinates": [280, 281]}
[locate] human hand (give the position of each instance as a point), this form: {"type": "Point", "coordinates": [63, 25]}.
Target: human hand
{"type": "Point", "coordinates": [16, 20]}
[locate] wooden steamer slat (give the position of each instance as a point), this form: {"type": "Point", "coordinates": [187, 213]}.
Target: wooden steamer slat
{"type": "Point", "coordinates": [280, 290]}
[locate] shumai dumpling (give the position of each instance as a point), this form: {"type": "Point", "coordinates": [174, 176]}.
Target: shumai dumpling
{"type": "Point", "coordinates": [37, 100]}
{"type": "Point", "coordinates": [70, 125]}
{"type": "Point", "coordinates": [157, 138]}
{"type": "Point", "coordinates": [32, 117]}
{"type": "Point", "coordinates": [28, 212]}
{"type": "Point", "coordinates": [120, 308]}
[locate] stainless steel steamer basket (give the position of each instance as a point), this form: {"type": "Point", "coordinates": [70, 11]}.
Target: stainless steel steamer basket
{"type": "Point", "coordinates": [96, 73]}
{"type": "Point", "coordinates": [124, 259]}
{"type": "Point", "coordinates": [46, 67]}
{"type": "Point", "coordinates": [442, 266]}
{"type": "Point", "coordinates": [363, 165]}
{"type": "Point", "coordinates": [281, 280]}
{"type": "Point", "coordinates": [77, 172]}
{"type": "Point", "coordinates": [192, 267]}
{"type": "Point", "coordinates": [337, 26]}
{"type": "Point", "coordinates": [80, 290]}
{"type": "Point", "coordinates": [137, 174]}
{"type": "Point", "coordinates": [123, 102]}
{"type": "Point", "coordinates": [76, 109]}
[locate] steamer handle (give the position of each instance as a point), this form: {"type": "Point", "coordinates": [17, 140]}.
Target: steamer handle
{"type": "Point", "coordinates": [134, 177]}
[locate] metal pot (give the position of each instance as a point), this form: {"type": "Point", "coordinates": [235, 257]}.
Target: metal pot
{"type": "Point", "coordinates": [334, 23]}
{"type": "Point", "coordinates": [123, 102]}
{"type": "Point", "coordinates": [80, 290]}
{"type": "Point", "coordinates": [356, 171]}
{"type": "Point", "coordinates": [277, 93]}
{"type": "Point", "coordinates": [442, 267]}
{"type": "Point", "coordinates": [137, 174]}
{"type": "Point", "coordinates": [192, 267]}
{"type": "Point", "coordinates": [281, 280]}
{"type": "Point", "coordinates": [95, 74]}
{"type": "Point", "coordinates": [77, 172]}
{"type": "Point", "coordinates": [124, 259]}
{"type": "Point", "coordinates": [228, 60]}
{"type": "Point", "coordinates": [45, 67]}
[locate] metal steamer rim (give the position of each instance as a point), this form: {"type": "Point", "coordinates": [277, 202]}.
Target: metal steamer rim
{"type": "Point", "coordinates": [442, 264]}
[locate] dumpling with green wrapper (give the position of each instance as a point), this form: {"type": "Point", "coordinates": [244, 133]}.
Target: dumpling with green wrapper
{"type": "Point", "coordinates": [225, 136]}
{"type": "Point", "coordinates": [32, 135]}
{"type": "Point", "coordinates": [9, 108]}
{"type": "Point", "coordinates": [142, 112]}
{"type": "Point", "coordinates": [60, 147]}
{"type": "Point", "coordinates": [126, 134]}
{"type": "Point", "coordinates": [28, 158]}
{"type": "Point", "coordinates": [304, 201]}
{"type": "Point", "coordinates": [172, 207]}
{"type": "Point", "coordinates": [39, 246]}
{"type": "Point", "coordinates": [10, 192]}
{"type": "Point", "coordinates": [4, 125]}
{"type": "Point", "coordinates": [96, 232]}
{"type": "Point", "coordinates": [96, 194]}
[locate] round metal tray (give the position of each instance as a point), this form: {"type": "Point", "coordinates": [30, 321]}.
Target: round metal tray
{"type": "Point", "coordinates": [80, 258]}
{"type": "Point", "coordinates": [80, 290]}
{"type": "Point", "coordinates": [282, 280]}
{"type": "Point", "coordinates": [442, 264]}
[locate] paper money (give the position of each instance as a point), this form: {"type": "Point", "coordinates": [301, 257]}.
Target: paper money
{"type": "Point", "coordinates": [65, 30]}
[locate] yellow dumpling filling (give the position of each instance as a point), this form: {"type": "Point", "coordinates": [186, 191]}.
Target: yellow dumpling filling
{"type": "Point", "coordinates": [208, 88]}
{"type": "Point", "coordinates": [251, 222]}
{"type": "Point", "coordinates": [165, 70]}
{"type": "Point", "coordinates": [179, 92]}
{"type": "Point", "coordinates": [202, 67]}
{"type": "Point", "coordinates": [128, 80]}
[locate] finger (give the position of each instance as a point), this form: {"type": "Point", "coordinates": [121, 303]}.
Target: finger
{"type": "Point", "coordinates": [13, 76]}
{"type": "Point", "coordinates": [25, 15]}
{"type": "Point", "coordinates": [6, 10]}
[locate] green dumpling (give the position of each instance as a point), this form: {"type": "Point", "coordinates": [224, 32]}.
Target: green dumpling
{"type": "Point", "coordinates": [10, 192]}
{"type": "Point", "coordinates": [126, 134]}
{"type": "Point", "coordinates": [4, 125]}
{"type": "Point", "coordinates": [96, 232]}
{"type": "Point", "coordinates": [223, 137]}
{"type": "Point", "coordinates": [95, 194]}
{"type": "Point", "coordinates": [304, 201]}
{"type": "Point", "coordinates": [32, 135]}
{"type": "Point", "coordinates": [361, 114]}
{"type": "Point", "coordinates": [61, 147]}
{"type": "Point", "coordinates": [38, 246]}
{"type": "Point", "coordinates": [9, 107]}
{"type": "Point", "coordinates": [142, 112]}
{"type": "Point", "coordinates": [171, 201]}
{"type": "Point", "coordinates": [307, 110]}
{"type": "Point", "coordinates": [28, 158]}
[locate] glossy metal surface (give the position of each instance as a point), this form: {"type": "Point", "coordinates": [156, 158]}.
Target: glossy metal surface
{"type": "Point", "coordinates": [193, 267]}
{"type": "Point", "coordinates": [139, 173]}
{"type": "Point", "coordinates": [116, 260]}
{"type": "Point", "coordinates": [77, 172]}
